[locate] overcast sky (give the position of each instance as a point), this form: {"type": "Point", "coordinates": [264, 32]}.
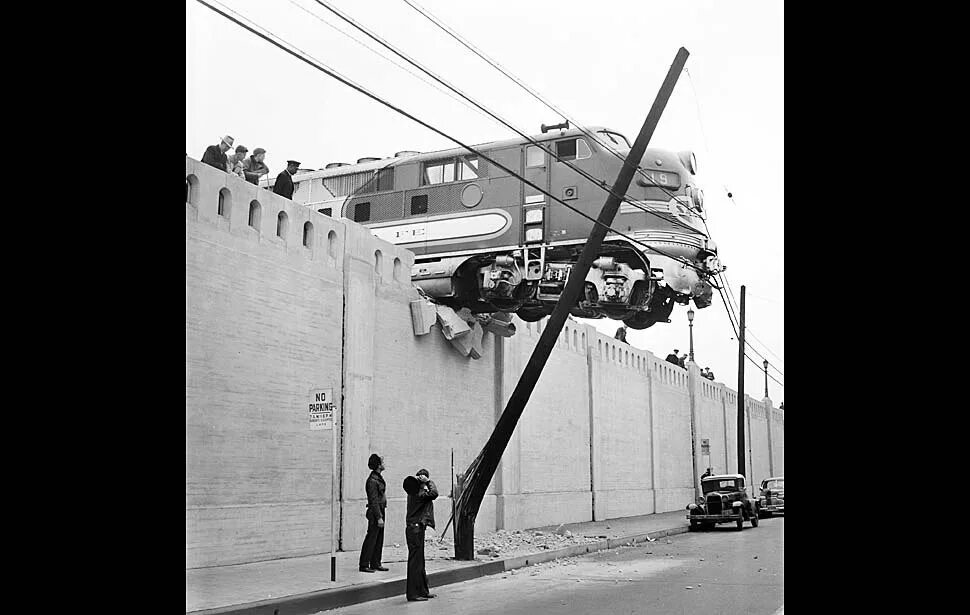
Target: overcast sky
{"type": "Point", "coordinates": [600, 62]}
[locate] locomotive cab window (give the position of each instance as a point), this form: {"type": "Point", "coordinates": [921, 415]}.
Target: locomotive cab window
{"type": "Point", "coordinates": [573, 149]}
{"type": "Point", "coordinates": [534, 157]}
{"type": "Point", "coordinates": [438, 172]}
{"type": "Point", "coordinates": [468, 167]}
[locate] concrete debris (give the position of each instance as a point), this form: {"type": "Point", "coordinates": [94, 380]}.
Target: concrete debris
{"type": "Point", "coordinates": [689, 587]}
{"type": "Point", "coordinates": [423, 315]}
{"type": "Point", "coordinates": [452, 325]}
{"type": "Point", "coordinates": [561, 529]}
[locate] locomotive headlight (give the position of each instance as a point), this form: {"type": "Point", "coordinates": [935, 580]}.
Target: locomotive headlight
{"type": "Point", "coordinates": [690, 161]}
{"type": "Point", "coordinates": [698, 196]}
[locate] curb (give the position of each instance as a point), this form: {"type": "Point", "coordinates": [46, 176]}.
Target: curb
{"type": "Point", "coordinates": [326, 599]}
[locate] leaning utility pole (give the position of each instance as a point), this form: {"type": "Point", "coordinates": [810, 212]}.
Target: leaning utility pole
{"type": "Point", "coordinates": [479, 473]}
{"type": "Point", "coordinates": [741, 388]}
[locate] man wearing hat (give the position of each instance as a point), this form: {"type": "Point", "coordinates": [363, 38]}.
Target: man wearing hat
{"type": "Point", "coordinates": [254, 168]}
{"type": "Point", "coordinates": [673, 358]}
{"type": "Point", "coordinates": [421, 493]}
{"type": "Point", "coordinates": [284, 181]}
{"type": "Point", "coordinates": [215, 155]}
{"type": "Point", "coordinates": [235, 166]}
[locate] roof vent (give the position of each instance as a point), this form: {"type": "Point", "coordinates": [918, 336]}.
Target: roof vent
{"type": "Point", "coordinates": [406, 152]}
{"type": "Point", "coordinates": [334, 165]}
{"type": "Point", "coordinates": [367, 159]}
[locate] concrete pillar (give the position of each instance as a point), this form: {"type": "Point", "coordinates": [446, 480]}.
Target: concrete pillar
{"type": "Point", "coordinates": [359, 319]}
{"type": "Point", "coordinates": [771, 462]}
{"type": "Point", "coordinates": [727, 445]}
{"type": "Point", "coordinates": [592, 432]}
{"type": "Point", "coordinates": [693, 376]}
{"type": "Point", "coordinates": [508, 368]}
{"type": "Point", "coordinates": [654, 437]}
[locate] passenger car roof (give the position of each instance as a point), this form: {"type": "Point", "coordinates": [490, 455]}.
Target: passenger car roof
{"type": "Point", "coordinates": [723, 476]}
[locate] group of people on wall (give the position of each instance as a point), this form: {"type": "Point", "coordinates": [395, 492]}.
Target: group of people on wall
{"type": "Point", "coordinates": [681, 361]}
{"type": "Point", "coordinates": [251, 168]}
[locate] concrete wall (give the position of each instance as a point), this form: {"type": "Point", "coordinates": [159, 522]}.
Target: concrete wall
{"type": "Point", "coordinates": [607, 432]}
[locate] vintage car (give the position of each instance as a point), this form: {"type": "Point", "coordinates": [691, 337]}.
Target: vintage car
{"type": "Point", "coordinates": [772, 497]}
{"type": "Point", "coordinates": [724, 501]}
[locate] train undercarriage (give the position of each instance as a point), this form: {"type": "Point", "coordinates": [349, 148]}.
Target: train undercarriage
{"type": "Point", "coordinates": [621, 283]}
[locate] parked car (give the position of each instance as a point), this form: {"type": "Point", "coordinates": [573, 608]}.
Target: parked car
{"type": "Point", "coordinates": [772, 498]}
{"type": "Point", "coordinates": [724, 500]}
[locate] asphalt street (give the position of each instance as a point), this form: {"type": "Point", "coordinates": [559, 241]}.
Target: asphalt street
{"type": "Point", "coordinates": [715, 571]}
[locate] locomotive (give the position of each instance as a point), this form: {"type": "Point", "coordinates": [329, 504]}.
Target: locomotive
{"type": "Point", "coordinates": [485, 240]}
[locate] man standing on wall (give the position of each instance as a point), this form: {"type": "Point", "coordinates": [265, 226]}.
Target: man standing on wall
{"type": "Point", "coordinates": [284, 181]}
{"type": "Point", "coordinates": [254, 167]}
{"type": "Point", "coordinates": [215, 155]}
{"type": "Point", "coordinates": [370, 551]}
{"type": "Point", "coordinates": [421, 493]}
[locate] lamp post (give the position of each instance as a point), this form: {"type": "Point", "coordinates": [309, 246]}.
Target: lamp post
{"type": "Point", "coordinates": [766, 378]}
{"type": "Point", "coordinates": [690, 321]}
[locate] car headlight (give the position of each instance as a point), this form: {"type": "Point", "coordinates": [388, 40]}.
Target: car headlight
{"type": "Point", "coordinates": [736, 505]}
{"type": "Point", "coordinates": [691, 506]}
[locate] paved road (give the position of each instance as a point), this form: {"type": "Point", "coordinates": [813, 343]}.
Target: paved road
{"type": "Point", "coordinates": [709, 572]}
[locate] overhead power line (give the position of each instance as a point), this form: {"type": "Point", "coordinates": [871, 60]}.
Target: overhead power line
{"type": "Point", "coordinates": [299, 54]}
{"type": "Point", "coordinates": [441, 25]}
{"type": "Point", "coordinates": [595, 181]}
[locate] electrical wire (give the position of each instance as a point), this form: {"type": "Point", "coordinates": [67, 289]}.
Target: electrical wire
{"type": "Point", "coordinates": [734, 327]}
{"type": "Point", "coordinates": [299, 54]}
{"type": "Point", "coordinates": [378, 53]}
{"type": "Point", "coordinates": [595, 181]}
{"type": "Point", "coordinates": [437, 22]}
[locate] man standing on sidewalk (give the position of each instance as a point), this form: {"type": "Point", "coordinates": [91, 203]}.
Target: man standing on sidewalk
{"type": "Point", "coordinates": [370, 551]}
{"type": "Point", "coordinates": [421, 493]}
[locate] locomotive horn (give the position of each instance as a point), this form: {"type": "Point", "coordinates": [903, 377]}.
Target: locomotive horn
{"type": "Point", "coordinates": [563, 126]}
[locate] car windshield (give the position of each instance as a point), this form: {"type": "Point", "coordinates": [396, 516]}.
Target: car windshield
{"type": "Point", "coordinates": [724, 484]}
{"type": "Point", "coordinates": [775, 484]}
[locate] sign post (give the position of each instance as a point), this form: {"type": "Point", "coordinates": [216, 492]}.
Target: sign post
{"type": "Point", "coordinates": [321, 417]}
{"type": "Point", "coordinates": [706, 450]}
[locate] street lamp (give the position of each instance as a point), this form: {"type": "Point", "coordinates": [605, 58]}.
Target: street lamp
{"type": "Point", "coordinates": [766, 377]}
{"type": "Point", "coordinates": [690, 321]}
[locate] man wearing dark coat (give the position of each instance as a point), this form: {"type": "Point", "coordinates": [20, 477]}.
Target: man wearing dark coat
{"type": "Point", "coordinates": [421, 493]}
{"type": "Point", "coordinates": [284, 181]}
{"type": "Point", "coordinates": [215, 155]}
{"type": "Point", "coordinates": [370, 551]}
{"type": "Point", "coordinates": [673, 358]}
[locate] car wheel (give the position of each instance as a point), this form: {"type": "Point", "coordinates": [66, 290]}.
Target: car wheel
{"type": "Point", "coordinates": [693, 525]}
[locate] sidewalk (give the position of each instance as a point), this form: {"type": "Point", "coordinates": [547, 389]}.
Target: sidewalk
{"type": "Point", "coordinates": [302, 584]}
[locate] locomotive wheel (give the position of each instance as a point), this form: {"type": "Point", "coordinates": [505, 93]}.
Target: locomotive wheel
{"type": "Point", "coordinates": [640, 320]}
{"type": "Point", "coordinates": [531, 314]}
